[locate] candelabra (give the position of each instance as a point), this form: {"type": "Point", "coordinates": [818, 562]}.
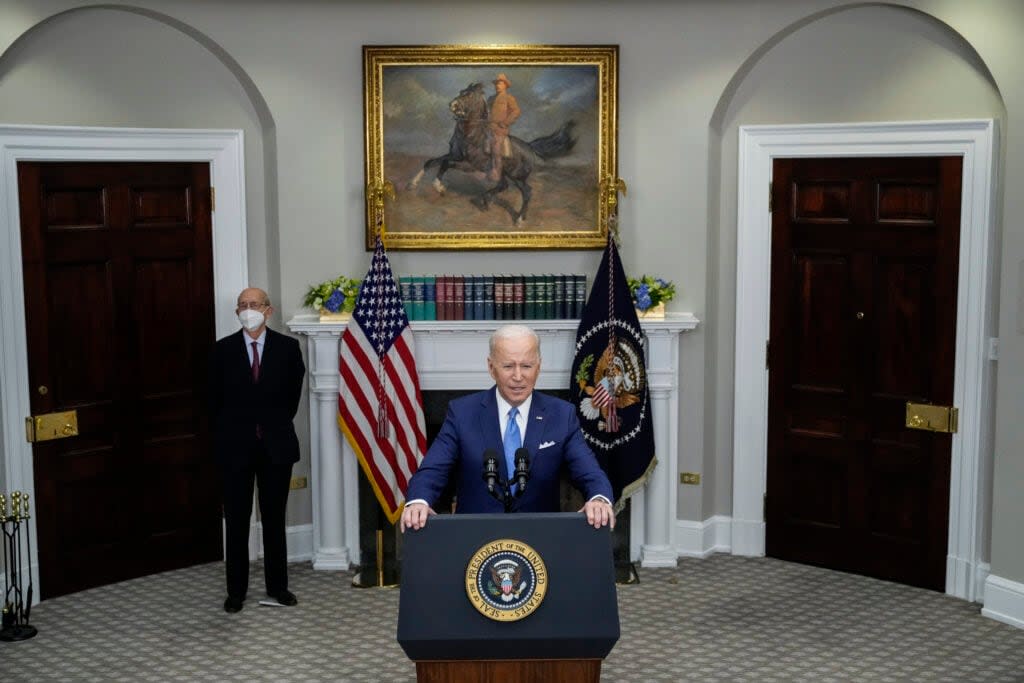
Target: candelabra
{"type": "Point", "coordinates": [17, 603]}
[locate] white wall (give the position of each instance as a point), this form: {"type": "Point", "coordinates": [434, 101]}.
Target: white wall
{"type": "Point", "coordinates": [290, 75]}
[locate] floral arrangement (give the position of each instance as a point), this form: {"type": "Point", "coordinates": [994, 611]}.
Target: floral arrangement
{"type": "Point", "coordinates": [334, 295]}
{"type": "Point", "coordinates": [648, 291]}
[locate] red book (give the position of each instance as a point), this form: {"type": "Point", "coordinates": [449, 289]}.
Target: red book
{"type": "Point", "coordinates": [459, 297]}
{"type": "Point", "coordinates": [519, 298]}
{"type": "Point", "coordinates": [442, 298]}
{"type": "Point", "coordinates": [499, 297]}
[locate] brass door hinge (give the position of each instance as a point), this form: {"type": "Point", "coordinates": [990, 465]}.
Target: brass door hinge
{"type": "Point", "coordinates": [51, 426]}
{"type": "Point", "coordinates": [213, 199]}
{"type": "Point", "coordinates": [767, 354]}
{"type": "Point", "coordinates": [771, 197]}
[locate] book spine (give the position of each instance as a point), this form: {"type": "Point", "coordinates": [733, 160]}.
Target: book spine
{"type": "Point", "coordinates": [430, 298]}
{"type": "Point", "coordinates": [510, 296]}
{"type": "Point", "coordinates": [449, 282]}
{"type": "Point", "coordinates": [549, 297]}
{"type": "Point", "coordinates": [581, 295]}
{"type": "Point", "coordinates": [458, 297]}
{"type": "Point", "coordinates": [418, 283]}
{"type": "Point", "coordinates": [440, 297]}
{"type": "Point", "coordinates": [530, 295]}
{"type": "Point", "coordinates": [469, 310]}
{"type": "Point", "coordinates": [489, 297]}
{"type": "Point", "coordinates": [519, 298]}
{"type": "Point", "coordinates": [559, 298]}
{"type": "Point", "coordinates": [405, 287]}
{"type": "Point", "coordinates": [499, 297]}
{"type": "Point", "coordinates": [478, 297]}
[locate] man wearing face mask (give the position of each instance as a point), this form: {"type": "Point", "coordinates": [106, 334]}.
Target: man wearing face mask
{"type": "Point", "coordinates": [255, 383]}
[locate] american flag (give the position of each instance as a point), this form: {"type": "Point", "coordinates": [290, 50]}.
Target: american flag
{"type": "Point", "coordinates": [380, 409]}
{"type": "Point", "coordinates": [604, 398]}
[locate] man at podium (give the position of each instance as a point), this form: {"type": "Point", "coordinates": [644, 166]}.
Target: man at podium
{"type": "Point", "coordinates": [507, 445]}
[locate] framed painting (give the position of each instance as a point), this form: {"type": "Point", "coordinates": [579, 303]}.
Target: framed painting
{"type": "Point", "coordinates": [498, 147]}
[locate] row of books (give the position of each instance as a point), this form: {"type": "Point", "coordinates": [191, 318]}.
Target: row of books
{"type": "Point", "coordinates": [493, 297]}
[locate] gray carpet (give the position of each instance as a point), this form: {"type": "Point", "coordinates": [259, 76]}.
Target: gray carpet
{"type": "Point", "coordinates": [721, 619]}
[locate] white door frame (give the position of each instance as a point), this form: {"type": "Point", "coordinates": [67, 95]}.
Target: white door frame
{"type": "Point", "coordinates": [975, 141]}
{"type": "Point", "coordinates": [222, 149]}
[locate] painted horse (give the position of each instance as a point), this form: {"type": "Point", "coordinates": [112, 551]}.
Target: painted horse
{"type": "Point", "coordinates": [469, 149]}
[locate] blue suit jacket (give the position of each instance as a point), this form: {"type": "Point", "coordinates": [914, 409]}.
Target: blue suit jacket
{"type": "Point", "coordinates": [471, 427]}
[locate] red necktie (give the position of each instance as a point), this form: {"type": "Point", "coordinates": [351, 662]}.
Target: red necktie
{"type": "Point", "coordinates": [255, 363]}
{"type": "Point", "coordinates": [256, 378]}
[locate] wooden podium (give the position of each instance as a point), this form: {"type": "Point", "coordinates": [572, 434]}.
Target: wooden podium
{"type": "Point", "coordinates": [447, 625]}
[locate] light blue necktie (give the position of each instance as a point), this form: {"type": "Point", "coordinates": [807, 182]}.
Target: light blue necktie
{"type": "Point", "coordinates": [513, 441]}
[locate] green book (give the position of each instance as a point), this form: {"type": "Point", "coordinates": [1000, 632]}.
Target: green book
{"type": "Point", "coordinates": [405, 286]}
{"type": "Point", "coordinates": [418, 284]}
{"type": "Point", "coordinates": [559, 298]}
{"type": "Point", "coordinates": [549, 297]}
{"type": "Point", "coordinates": [580, 298]}
{"type": "Point", "coordinates": [530, 308]}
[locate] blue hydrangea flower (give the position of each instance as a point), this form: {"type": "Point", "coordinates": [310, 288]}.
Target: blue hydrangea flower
{"type": "Point", "coordinates": [662, 283]}
{"type": "Point", "coordinates": [643, 297]}
{"type": "Point", "coordinates": [335, 301]}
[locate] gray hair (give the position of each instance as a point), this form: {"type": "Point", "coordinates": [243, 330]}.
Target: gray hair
{"type": "Point", "coordinates": [512, 332]}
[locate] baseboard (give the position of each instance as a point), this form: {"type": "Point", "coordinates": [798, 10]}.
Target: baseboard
{"type": "Point", "coordinates": [700, 539]}
{"type": "Point", "coordinates": [299, 539]}
{"type": "Point", "coordinates": [1004, 601]}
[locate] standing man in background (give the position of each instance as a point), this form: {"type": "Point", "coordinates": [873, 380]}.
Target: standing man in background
{"type": "Point", "coordinates": [255, 383]}
{"type": "Point", "coordinates": [503, 112]}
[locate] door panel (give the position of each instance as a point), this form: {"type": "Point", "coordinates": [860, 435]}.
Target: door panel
{"type": "Point", "coordinates": [119, 308]}
{"type": "Point", "coordinates": [863, 305]}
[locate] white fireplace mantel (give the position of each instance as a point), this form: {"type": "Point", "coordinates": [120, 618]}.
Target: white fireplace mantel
{"type": "Point", "coordinates": [451, 355]}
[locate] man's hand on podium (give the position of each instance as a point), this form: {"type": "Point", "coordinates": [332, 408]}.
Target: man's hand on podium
{"type": "Point", "coordinates": [415, 515]}
{"type": "Point", "coordinates": [599, 513]}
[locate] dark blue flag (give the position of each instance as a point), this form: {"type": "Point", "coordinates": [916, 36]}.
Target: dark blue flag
{"type": "Point", "coordinates": [609, 381]}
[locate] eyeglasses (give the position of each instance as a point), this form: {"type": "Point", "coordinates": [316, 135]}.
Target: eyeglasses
{"type": "Point", "coordinates": [251, 305]}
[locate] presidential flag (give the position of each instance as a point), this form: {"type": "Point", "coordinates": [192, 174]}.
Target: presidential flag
{"type": "Point", "coordinates": [609, 381]}
{"type": "Point", "coordinates": [380, 409]}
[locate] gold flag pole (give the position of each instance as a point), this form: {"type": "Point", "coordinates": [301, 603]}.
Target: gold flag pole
{"type": "Point", "coordinates": [380, 557]}
{"type": "Point", "coordinates": [609, 190]}
{"type": "Point", "coordinates": [376, 193]}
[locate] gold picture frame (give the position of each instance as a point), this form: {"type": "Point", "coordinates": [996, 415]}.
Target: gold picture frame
{"type": "Point", "coordinates": [423, 116]}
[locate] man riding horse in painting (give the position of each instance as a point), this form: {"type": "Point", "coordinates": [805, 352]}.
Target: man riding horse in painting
{"type": "Point", "coordinates": [504, 110]}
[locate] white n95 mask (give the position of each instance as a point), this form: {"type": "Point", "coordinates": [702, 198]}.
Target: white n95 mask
{"type": "Point", "coordinates": [250, 319]}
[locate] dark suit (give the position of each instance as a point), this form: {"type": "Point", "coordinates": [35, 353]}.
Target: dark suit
{"type": "Point", "coordinates": [254, 441]}
{"type": "Point", "coordinates": [553, 439]}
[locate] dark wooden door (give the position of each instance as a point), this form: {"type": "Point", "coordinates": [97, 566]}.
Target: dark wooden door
{"type": "Point", "coordinates": [863, 319]}
{"type": "Point", "coordinates": [119, 310]}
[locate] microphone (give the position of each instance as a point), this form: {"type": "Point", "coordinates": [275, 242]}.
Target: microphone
{"type": "Point", "coordinates": [522, 473]}
{"type": "Point", "coordinates": [491, 470]}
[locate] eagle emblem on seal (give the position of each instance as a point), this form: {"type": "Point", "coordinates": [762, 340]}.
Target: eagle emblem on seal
{"type": "Point", "coordinates": [506, 580]}
{"type": "Point", "coordinates": [616, 381]}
